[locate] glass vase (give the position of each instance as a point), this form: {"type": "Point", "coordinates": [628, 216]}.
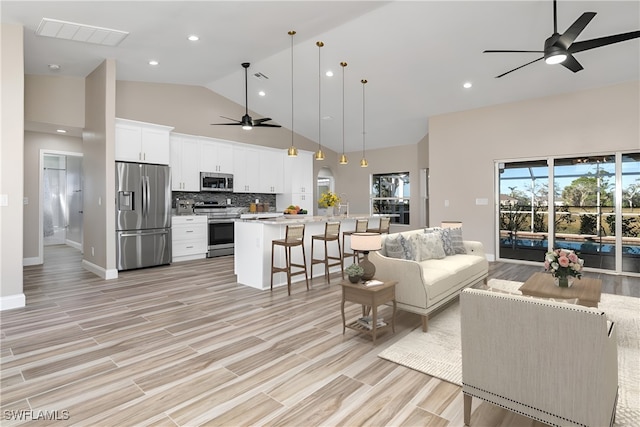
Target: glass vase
{"type": "Point", "coordinates": [563, 281]}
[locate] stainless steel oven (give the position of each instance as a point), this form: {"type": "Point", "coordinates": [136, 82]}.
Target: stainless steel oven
{"type": "Point", "coordinates": [220, 225]}
{"type": "Point", "coordinates": [221, 239]}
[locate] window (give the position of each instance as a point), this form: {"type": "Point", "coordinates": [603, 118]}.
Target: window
{"type": "Point", "coordinates": [592, 209]}
{"type": "Point", "coordinates": [390, 196]}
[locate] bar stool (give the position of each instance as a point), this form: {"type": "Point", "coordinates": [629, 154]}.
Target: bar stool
{"type": "Point", "coordinates": [294, 236]}
{"type": "Point", "coordinates": [361, 227]}
{"type": "Point", "coordinates": [331, 233]}
{"type": "Point", "coordinates": [383, 228]}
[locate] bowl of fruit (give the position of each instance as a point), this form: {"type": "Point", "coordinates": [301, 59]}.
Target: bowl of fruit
{"type": "Point", "coordinates": [294, 210]}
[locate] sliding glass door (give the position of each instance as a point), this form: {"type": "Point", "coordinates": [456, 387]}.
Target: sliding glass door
{"type": "Point", "coordinates": [594, 209]}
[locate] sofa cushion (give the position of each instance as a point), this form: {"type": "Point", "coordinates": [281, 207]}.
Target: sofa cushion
{"type": "Point", "coordinates": [442, 275]}
{"type": "Point", "coordinates": [427, 246]}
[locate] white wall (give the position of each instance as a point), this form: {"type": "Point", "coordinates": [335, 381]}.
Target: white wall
{"type": "Point", "coordinates": [11, 165]}
{"type": "Point", "coordinates": [464, 145]}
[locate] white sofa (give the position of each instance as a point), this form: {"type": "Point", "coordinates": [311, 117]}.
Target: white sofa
{"type": "Point", "coordinates": [425, 285]}
{"type": "Point", "coordinates": [550, 361]}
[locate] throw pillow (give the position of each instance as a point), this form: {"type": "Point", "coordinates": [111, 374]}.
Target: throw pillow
{"type": "Point", "coordinates": [393, 248]}
{"type": "Point", "coordinates": [457, 244]}
{"type": "Point", "coordinates": [429, 246]}
{"type": "Point", "coordinates": [445, 236]}
{"type": "Point", "coordinates": [408, 250]}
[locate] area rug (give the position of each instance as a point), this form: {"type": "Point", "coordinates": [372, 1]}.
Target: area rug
{"type": "Point", "coordinates": [437, 352]}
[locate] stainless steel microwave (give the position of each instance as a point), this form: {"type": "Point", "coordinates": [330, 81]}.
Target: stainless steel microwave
{"type": "Point", "coordinates": [210, 181]}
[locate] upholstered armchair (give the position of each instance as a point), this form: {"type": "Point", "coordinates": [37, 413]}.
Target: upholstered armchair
{"type": "Point", "coordinates": [553, 362]}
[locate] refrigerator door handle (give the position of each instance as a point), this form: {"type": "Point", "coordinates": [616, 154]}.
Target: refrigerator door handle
{"type": "Point", "coordinates": [146, 180]}
{"type": "Point", "coordinates": [144, 233]}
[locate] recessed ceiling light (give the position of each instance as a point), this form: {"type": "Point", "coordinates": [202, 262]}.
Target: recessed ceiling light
{"type": "Point", "coordinates": [153, 62]}
{"type": "Point", "coordinates": [193, 38]}
{"type": "Point", "coordinates": [467, 85]}
{"type": "Point", "coordinates": [262, 93]}
{"type": "Point", "coordinates": [54, 67]}
{"type": "Point", "coordinates": [329, 73]}
{"type": "Point", "coordinates": [327, 118]}
{"type": "Point", "coordinates": [61, 131]}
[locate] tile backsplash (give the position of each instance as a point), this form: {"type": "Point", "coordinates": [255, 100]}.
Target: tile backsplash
{"type": "Point", "coordinates": [237, 199]}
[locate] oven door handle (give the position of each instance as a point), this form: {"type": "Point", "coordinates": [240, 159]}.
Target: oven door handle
{"type": "Point", "coordinates": [221, 221]}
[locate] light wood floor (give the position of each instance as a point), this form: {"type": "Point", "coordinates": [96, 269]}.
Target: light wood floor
{"type": "Point", "coordinates": [187, 345]}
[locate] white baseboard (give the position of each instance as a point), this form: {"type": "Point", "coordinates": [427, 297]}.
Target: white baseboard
{"type": "Point", "coordinates": [99, 271]}
{"type": "Point", "coordinates": [75, 245]}
{"type": "Point", "coordinates": [12, 301]}
{"type": "Point", "coordinates": [32, 261]}
{"type": "Point", "coordinates": [491, 257]}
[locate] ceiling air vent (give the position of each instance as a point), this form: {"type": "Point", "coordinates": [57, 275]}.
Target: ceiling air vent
{"type": "Point", "coordinates": [80, 32]}
{"type": "Point", "coordinates": [260, 76]}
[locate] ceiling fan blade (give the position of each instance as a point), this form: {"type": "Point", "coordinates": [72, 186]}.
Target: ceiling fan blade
{"type": "Point", "coordinates": [229, 118]}
{"type": "Point", "coordinates": [515, 69]}
{"type": "Point", "coordinates": [267, 125]}
{"type": "Point", "coordinates": [602, 41]}
{"type": "Point", "coordinates": [226, 124]}
{"type": "Point", "coordinates": [264, 119]}
{"type": "Point", "coordinates": [512, 51]}
{"type": "Point", "coordinates": [575, 29]}
{"type": "Point", "coordinates": [572, 64]}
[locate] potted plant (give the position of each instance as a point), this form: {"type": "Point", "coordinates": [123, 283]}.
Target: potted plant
{"type": "Point", "coordinates": [355, 272]}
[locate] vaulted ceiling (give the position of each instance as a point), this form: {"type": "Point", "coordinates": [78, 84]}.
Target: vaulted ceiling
{"type": "Point", "coordinates": [416, 55]}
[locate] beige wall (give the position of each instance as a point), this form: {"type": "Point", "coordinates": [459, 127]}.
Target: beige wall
{"type": "Point", "coordinates": [463, 146]}
{"type": "Point", "coordinates": [355, 181]}
{"type": "Point", "coordinates": [57, 100]}
{"type": "Point", "coordinates": [99, 174]}
{"type": "Point", "coordinates": [11, 164]}
{"type": "Point", "coordinates": [34, 142]}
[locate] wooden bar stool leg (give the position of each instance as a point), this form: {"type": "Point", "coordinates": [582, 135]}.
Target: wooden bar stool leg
{"type": "Point", "coordinates": [326, 261]}
{"type": "Point", "coordinates": [304, 262]}
{"type": "Point", "coordinates": [273, 246]}
{"type": "Point", "coordinates": [287, 255]}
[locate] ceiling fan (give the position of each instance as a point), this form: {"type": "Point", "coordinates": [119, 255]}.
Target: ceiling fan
{"type": "Point", "coordinates": [247, 122]}
{"type": "Point", "coordinates": [559, 48]}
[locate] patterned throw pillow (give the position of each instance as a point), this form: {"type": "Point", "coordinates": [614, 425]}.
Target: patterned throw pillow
{"type": "Point", "coordinates": [407, 248]}
{"type": "Point", "coordinates": [445, 236]}
{"type": "Point", "coordinates": [429, 246]}
{"type": "Point", "coordinates": [393, 248]}
{"type": "Point", "coordinates": [398, 247]}
{"type": "Point", "coordinates": [456, 240]}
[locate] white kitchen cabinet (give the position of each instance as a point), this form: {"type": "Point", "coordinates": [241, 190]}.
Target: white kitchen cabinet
{"type": "Point", "coordinates": [185, 163]}
{"type": "Point", "coordinates": [298, 181]}
{"type": "Point", "coordinates": [142, 142]}
{"type": "Point", "coordinates": [272, 171]}
{"type": "Point", "coordinates": [216, 156]}
{"type": "Point", "coordinates": [189, 237]}
{"type": "Point", "coordinates": [246, 169]}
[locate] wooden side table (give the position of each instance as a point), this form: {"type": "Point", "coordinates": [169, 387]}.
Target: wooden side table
{"type": "Point", "coordinates": [586, 290]}
{"type": "Point", "coordinates": [370, 297]}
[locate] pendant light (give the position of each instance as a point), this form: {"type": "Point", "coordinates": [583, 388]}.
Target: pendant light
{"type": "Point", "coordinates": [343, 157]}
{"type": "Point", "coordinates": [363, 162]}
{"type": "Point", "coordinates": [319, 153]}
{"type": "Point", "coordinates": [292, 151]}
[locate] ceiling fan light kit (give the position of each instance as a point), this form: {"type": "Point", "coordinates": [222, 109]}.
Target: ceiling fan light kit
{"type": "Point", "coordinates": [559, 48]}
{"type": "Point", "coordinates": [292, 151]}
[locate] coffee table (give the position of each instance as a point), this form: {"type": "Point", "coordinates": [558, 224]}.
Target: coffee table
{"type": "Point", "coordinates": [586, 290]}
{"type": "Point", "coordinates": [370, 297]}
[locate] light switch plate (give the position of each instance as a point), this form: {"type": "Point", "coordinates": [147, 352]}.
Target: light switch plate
{"type": "Point", "coordinates": [4, 200]}
{"type": "Point", "coordinates": [482, 201]}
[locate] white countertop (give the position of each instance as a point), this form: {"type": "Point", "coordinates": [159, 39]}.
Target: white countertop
{"type": "Point", "coordinates": [297, 219]}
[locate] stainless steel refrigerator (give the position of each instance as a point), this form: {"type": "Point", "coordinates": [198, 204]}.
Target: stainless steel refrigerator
{"type": "Point", "coordinates": [143, 215]}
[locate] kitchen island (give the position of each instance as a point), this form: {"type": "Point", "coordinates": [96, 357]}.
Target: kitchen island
{"type": "Point", "coordinates": [253, 246]}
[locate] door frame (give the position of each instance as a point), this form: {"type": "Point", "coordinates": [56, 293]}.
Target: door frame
{"type": "Point", "coordinates": [45, 152]}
